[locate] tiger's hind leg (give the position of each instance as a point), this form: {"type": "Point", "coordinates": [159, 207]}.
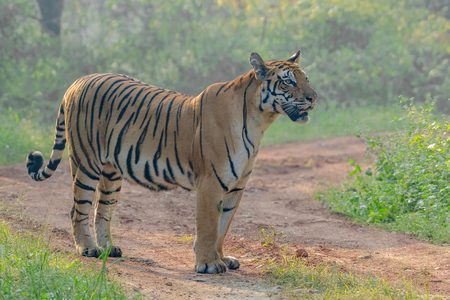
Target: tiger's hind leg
{"type": "Point", "coordinates": [108, 194]}
{"type": "Point", "coordinates": [84, 192]}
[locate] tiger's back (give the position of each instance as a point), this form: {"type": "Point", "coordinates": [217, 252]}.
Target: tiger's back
{"type": "Point", "coordinates": [112, 118]}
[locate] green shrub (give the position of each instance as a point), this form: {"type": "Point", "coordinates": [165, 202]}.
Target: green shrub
{"type": "Point", "coordinates": [408, 189]}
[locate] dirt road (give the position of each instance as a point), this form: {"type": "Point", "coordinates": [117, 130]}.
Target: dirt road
{"type": "Point", "coordinates": [154, 229]}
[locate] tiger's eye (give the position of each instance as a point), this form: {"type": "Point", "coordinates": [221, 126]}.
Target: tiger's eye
{"type": "Point", "coordinates": [290, 82]}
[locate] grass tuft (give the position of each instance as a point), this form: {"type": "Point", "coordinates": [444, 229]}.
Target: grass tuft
{"type": "Point", "coordinates": [31, 269]}
{"type": "Point", "coordinates": [300, 281]}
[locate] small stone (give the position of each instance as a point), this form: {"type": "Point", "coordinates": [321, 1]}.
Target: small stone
{"type": "Point", "coordinates": [361, 229]}
{"type": "Point", "coordinates": [313, 292]}
{"type": "Point", "coordinates": [365, 257]}
{"type": "Point", "coordinates": [301, 253]}
{"type": "Point", "coordinates": [169, 283]}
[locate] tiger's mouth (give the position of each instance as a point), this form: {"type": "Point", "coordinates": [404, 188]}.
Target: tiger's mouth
{"type": "Point", "coordinates": [296, 114]}
{"type": "Point", "coordinates": [301, 118]}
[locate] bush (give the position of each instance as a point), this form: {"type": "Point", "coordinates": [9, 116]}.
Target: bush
{"type": "Point", "coordinates": [409, 188]}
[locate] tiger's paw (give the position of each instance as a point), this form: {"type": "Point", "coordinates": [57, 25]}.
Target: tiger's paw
{"type": "Point", "coordinates": [231, 262]}
{"type": "Point", "coordinates": [212, 267]}
{"type": "Point", "coordinates": [115, 252]}
{"type": "Point", "coordinates": [89, 252]}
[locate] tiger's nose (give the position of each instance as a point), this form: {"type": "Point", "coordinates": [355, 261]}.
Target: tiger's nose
{"type": "Point", "coordinates": [311, 99]}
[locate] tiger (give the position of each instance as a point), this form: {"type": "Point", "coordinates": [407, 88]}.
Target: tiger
{"type": "Point", "coordinates": [117, 127]}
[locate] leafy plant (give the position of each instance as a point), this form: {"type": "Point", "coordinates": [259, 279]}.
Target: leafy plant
{"type": "Point", "coordinates": [409, 188]}
{"type": "Point", "coordinates": [270, 240]}
{"type": "Point", "coordinates": [186, 238]}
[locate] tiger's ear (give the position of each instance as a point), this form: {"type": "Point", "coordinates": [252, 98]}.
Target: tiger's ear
{"type": "Point", "coordinates": [259, 66]}
{"type": "Point", "coordinates": [295, 57]}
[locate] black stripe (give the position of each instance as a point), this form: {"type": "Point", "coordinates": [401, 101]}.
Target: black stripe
{"type": "Point", "coordinates": [169, 168]}
{"type": "Point", "coordinates": [140, 106]}
{"type": "Point", "coordinates": [99, 151]}
{"type": "Point", "coordinates": [60, 146]}
{"type": "Point", "coordinates": [137, 95]}
{"type": "Point", "coordinates": [53, 164]}
{"type": "Point", "coordinates": [80, 213]}
{"type": "Point", "coordinates": [79, 221]}
{"type": "Point", "coordinates": [179, 112]}
{"type": "Point", "coordinates": [201, 123]}
{"type": "Point", "coordinates": [221, 88]}
{"type": "Point", "coordinates": [83, 186]}
{"type": "Point", "coordinates": [189, 175]}
{"type": "Point", "coordinates": [148, 177]}
{"type": "Point", "coordinates": [140, 142]}
{"type": "Point", "coordinates": [82, 201]}
{"type": "Point", "coordinates": [230, 160]}
{"type": "Point", "coordinates": [231, 84]}
{"type": "Point", "coordinates": [109, 175]}
{"type": "Point", "coordinates": [228, 209]}
{"type": "Point", "coordinates": [108, 144]}
{"type": "Point", "coordinates": [176, 153]}
{"type": "Point", "coordinates": [122, 112]}
{"type": "Point", "coordinates": [167, 120]}
{"type": "Point", "coordinates": [107, 202]}
{"type": "Point", "coordinates": [244, 114]}
{"type": "Point", "coordinates": [158, 113]}
{"type": "Point", "coordinates": [110, 192]}
{"type": "Point", "coordinates": [83, 169]}
{"type": "Point", "coordinates": [167, 179]}
{"type": "Point", "coordinates": [235, 190]}
{"type": "Point", "coordinates": [100, 109]}
{"type": "Point", "coordinates": [125, 97]}
{"type": "Point", "coordinates": [218, 178]}
{"type": "Point", "coordinates": [45, 174]}
{"type": "Point", "coordinates": [131, 172]}
{"type": "Point", "coordinates": [119, 142]}
{"type": "Point", "coordinates": [157, 155]}
{"type": "Point", "coordinates": [250, 172]}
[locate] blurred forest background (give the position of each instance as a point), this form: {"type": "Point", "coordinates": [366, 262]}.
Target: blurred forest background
{"type": "Point", "coordinates": [357, 53]}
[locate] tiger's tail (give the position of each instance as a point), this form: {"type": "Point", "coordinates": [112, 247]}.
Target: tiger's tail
{"type": "Point", "coordinates": [35, 160]}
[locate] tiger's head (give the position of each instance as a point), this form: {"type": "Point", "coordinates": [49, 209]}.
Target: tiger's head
{"type": "Point", "coordinates": [285, 88]}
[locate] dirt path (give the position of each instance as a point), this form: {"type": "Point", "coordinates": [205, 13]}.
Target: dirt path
{"type": "Point", "coordinates": [154, 229]}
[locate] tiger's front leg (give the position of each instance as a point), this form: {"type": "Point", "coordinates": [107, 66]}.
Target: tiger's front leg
{"type": "Point", "coordinates": [207, 258]}
{"type": "Point", "coordinates": [230, 205]}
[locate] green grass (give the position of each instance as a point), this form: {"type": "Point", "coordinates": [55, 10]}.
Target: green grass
{"type": "Point", "coordinates": [325, 124]}
{"type": "Point", "coordinates": [300, 281]}
{"type": "Point", "coordinates": [18, 137]}
{"type": "Point", "coordinates": [409, 188]}
{"type": "Point", "coordinates": [31, 269]}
